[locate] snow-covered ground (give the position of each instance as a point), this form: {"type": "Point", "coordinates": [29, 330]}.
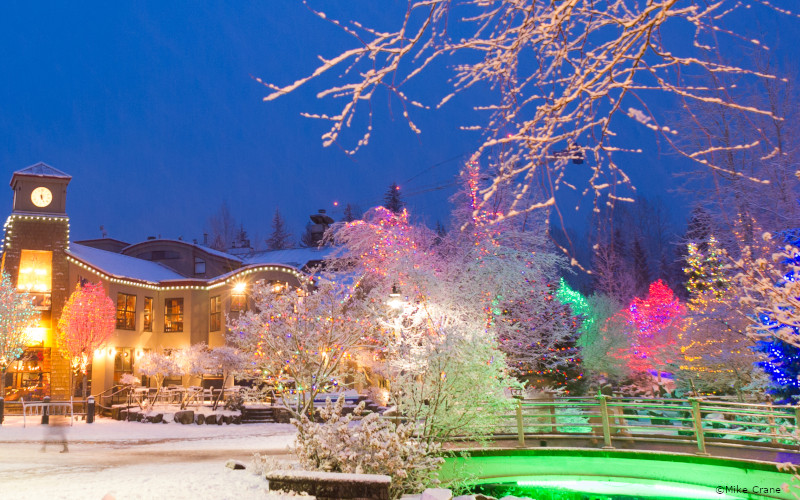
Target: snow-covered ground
{"type": "Point", "coordinates": [131, 460]}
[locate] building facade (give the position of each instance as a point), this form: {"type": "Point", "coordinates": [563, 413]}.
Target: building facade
{"type": "Point", "coordinates": [169, 294]}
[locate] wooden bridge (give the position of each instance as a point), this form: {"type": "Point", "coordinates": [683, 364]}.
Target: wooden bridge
{"type": "Point", "coordinates": [696, 425]}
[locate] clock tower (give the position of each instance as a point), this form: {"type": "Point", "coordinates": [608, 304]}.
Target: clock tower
{"type": "Point", "coordinates": [34, 246]}
{"type": "Point", "coordinates": [40, 189]}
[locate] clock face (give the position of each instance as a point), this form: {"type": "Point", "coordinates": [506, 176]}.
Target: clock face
{"type": "Point", "coordinates": [41, 197]}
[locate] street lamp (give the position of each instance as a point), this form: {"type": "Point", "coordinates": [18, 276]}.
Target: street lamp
{"type": "Point", "coordinates": [395, 300]}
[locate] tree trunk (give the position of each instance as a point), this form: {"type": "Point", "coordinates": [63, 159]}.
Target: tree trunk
{"type": "Point", "coordinates": [221, 392]}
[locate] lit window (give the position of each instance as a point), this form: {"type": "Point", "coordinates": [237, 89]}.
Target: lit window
{"type": "Point", "coordinates": [173, 315]}
{"type": "Point", "coordinates": [126, 311]}
{"type": "Point", "coordinates": [148, 314]}
{"type": "Point", "coordinates": [123, 362]}
{"type": "Point", "coordinates": [35, 271]}
{"type": "Point", "coordinates": [216, 314]}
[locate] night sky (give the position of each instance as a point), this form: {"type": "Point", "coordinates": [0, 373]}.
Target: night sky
{"type": "Point", "coordinates": [152, 107]}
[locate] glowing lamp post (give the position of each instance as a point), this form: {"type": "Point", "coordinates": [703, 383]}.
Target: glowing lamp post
{"type": "Point", "coordinates": [395, 299]}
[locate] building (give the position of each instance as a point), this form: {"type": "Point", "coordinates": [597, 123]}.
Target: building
{"type": "Point", "coordinates": [168, 293]}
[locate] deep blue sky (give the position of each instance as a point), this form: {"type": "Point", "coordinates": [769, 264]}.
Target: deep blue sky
{"type": "Point", "coordinates": [152, 108]}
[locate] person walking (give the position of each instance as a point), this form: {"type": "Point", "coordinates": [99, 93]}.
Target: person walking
{"type": "Point", "coordinates": [56, 432]}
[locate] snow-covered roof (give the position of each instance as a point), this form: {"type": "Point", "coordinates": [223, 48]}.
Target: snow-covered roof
{"type": "Point", "coordinates": [295, 257]}
{"type": "Point", "coordinates": [121, 266]}
{"type": "Point", "coordinates": [182, 242]}
{"type": "Point", "coordinates": [42, 170]}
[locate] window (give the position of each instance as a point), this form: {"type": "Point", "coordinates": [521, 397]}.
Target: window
{"type": "Point", "coordinates": [238, 302]}
{"type": "Point", "coordinates": [148, 314]}
{"type": "Point", "coordinates": [126, 311]}
{"type": "Point", "coordinates": [216, 314]}
{"type": "Point", "coordinates": [173, 315]}
{"type": "Point", "coordinates": [123, 362]}
{"type": "Point", "coordinates": [35, 271]}
{"type": "Point", "coordinates": [28, 376]}
{"type": "Point", "coordinates": [199, 266]}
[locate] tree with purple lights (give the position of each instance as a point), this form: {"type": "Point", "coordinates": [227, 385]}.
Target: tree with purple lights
{"type": "Point", "coordinates": [653, 325]}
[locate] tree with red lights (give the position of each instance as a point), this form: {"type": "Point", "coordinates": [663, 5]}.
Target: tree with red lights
{"type": "Point", "coordinates": [653, 325]}
{"type": "Point", "coordinates": [17, 314]}
{"type": "Point", "coordinates": [87, 323]}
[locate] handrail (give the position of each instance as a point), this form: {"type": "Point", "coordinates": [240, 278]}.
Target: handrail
{"type": "Point", "coordinates": [695, 420]}
{"type": "Point", "coordinates": [99, 397]}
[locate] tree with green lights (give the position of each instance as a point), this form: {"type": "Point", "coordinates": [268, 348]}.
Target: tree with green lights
{"type": "Point", "coordinates": [17, 314]}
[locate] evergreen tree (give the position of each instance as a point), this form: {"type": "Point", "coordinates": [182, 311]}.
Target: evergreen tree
{"type": "Point", "coordinates": [392, 200]}
{"type": "Point", "coordinates": [280, 238]}
{"type": "Point", "coordinates": [242, 241]}
{"type": "Point", "coordinates": [351, 213]}
{"type": "Point", "coordinates": [699, 228]}
{"type": "Point", "coordinates": [704, 270]}
{"type": "Point", "coordinates": [717, 354]}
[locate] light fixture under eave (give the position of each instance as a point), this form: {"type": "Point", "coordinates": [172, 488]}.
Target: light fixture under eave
{"type": "Point", "coordinates": [239, 287]}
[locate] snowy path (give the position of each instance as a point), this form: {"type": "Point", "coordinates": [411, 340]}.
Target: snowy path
{"type": "Point", "coordinates": [129, 460]}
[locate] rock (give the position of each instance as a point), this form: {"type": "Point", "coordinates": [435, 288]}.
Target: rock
{"type": "Point", "coordinates": [123, 415]}
{"type": "Point", "coordinates": [437, 494]}
{"type": "Point", "coordinates": [235, 465]}
{"type": "Point", "coordinates": [228, 419]}
{"type": "Point", "coordinates": [184, 417]}
{"type": "Point", "coordinates": [484, 497]}
{"type": "Point", "coordinates": [211, 419]}
{"type": "Point", "coordinates": [157, 418]}
{"type": "Point", "coordinates": [220, 419]}
{"type": "Point", "coordinates": [511, 497]}
{"type": "Point", "coordinates": [464, 497]}
{"type": "Point", "coordinates": [236, 420]}
{"type": "Point", "coordinates": [200, 419]}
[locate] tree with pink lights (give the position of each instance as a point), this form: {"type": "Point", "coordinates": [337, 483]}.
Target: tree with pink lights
{"type": "Point", "coordinates": [16, 316]}
{"type": "Point", "coordinates": [86, 324]}
{"type": "Point", "coordinates": [653, 323]}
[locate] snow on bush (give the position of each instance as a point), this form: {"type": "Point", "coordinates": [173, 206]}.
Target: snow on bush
{"type": "Point", "coordinates": [129, 379]}
{"type": "Point", "coordinates": [373, 445]}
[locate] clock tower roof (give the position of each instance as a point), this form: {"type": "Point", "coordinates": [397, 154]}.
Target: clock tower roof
{"type": "Point", "coordinates": [40, 169]}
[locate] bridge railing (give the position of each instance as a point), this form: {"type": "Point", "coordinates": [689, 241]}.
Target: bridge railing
{"type": "Point", "coordinates": [615, 419]}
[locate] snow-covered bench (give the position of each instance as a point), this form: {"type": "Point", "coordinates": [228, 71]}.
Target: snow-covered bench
{"type": "Point", "coordinates": [37, 408]}
{"type": "Point", "coordinates": [331, 485]}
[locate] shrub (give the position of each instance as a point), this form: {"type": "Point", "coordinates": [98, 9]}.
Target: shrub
{"type": "Point", "coordinates": [373, 445]}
